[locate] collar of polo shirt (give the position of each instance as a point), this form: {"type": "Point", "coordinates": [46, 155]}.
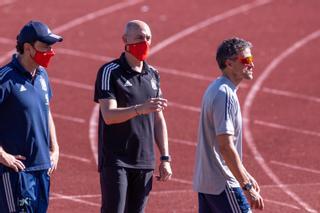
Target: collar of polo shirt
{"type": "Point", "coordinates": [124, 63]}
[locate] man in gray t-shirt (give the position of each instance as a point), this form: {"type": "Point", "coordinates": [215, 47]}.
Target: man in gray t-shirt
{"type": "Point", "coordinates": [221, 180]}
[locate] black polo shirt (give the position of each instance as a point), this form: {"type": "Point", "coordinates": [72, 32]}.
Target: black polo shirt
{"type": "Point", "coordinates": [24, 109]}
{"type": "Point", "coordinates": [128, 144]}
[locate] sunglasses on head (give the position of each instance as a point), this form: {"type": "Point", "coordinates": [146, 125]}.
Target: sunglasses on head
{"type": "Point", "coordinates": [247, 60]}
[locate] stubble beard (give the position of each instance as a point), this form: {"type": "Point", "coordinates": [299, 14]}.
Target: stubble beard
{"type": "Point", "coordinates": [248, 74]}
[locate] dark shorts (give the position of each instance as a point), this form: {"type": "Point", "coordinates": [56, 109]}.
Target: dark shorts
{"type": "Point", "coordinates": [231, 200]}
{"type": "Point", "coordinates": [124, 189]}
{"type": "Point", "coordinates": [24, 191]}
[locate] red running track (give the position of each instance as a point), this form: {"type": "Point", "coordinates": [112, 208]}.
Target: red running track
{"type": "Point", "coordinates": [282, 127]}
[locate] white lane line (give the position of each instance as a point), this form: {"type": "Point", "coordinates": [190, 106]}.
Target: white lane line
{"type": "Point", "coordinates": [101, 58]}
{"type": "Point", "coordinates": [78, 198]}
{"type": "Point", "coordinates": [96, 14]}
{"type": "Point", "coordinates": [96, 57]}
{"type": "Point", "coordinates": [82, 54]}
{"type": "Point", "coordinates": [183, 107]}
{"type": "Point", "coordinates": [256, 87]}
{"type": "Point", "coordinates": [179, 73]}
{"type": "Point", "coordinates": [6, 2]}
{"type": "Point", "coordinates": [291, 94]}
{"type": "Point", "coordinates": [71, 83]}
{"type": "Point", "coordinates": [184, 142]}
{"type": "Point", "coordinates": [184, 74]}
{"type": "Point", "coordinates": [74, 199]}
{"type": "Point", "coordinates": [296, 167]}
{"type": "Point", "coordinates": [8, 41]}
{"type": "Point", "coordinates": [73, 157]}
{"type": "Point", "coordinates": [82, 19]}
{"type": "Point", "coordinates": [7, 55]}
{"type": "Point", "coordinates": [292, 129]}
{"type": "Point", "coordinates": [203, 24]}
{"type": "Point", "coordinates": [181, 181]}
{"type": "Point", "coordinates": [168, 71]}
{"type": "Point", "coordinates": [69, 118]}
{"type": "Point", "coordinates": [282, 204]}
{"type": "Point", "coordinates": [183, 190]}
{"type": "Point", "coordinates": [298, 185]}
{"type": "Point", "coordinates": [165, 192]}
{"type": "Point", "coordinates": [258, 122]}
{"type": "Point", "coordinates": [54, 197]}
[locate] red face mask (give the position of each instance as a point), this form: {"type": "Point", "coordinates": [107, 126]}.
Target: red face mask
{"type": "Point", "coordinates": [139, 50]}
{"type": "Point", "coordinates": [43, 58]}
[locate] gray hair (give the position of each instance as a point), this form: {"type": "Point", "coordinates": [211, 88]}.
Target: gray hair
{"type": "Point", "coordinates": [134, 25]}
{"type": "Point", "coordinates": [229, 48]}
{"type": "Point", "coordinates": [131, 26]}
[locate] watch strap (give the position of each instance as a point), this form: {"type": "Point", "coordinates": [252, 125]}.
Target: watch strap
{"type": "Point", "coordinates": [166, 158]}
{"type": "Point", "coordinates": [247, 186]}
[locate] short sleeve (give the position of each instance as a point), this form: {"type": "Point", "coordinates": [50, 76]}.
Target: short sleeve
{"type": "Point", "coordinates": [105, 82]}
{"type": "Point", "coordinates": [223, 113]}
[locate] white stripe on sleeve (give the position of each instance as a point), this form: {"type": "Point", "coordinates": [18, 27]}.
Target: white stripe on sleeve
{"type": "Point", "coordinates": [106, 75]}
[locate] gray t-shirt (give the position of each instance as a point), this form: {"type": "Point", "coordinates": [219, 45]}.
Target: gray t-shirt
{"type": "Point", "coordinates": [220, 114]}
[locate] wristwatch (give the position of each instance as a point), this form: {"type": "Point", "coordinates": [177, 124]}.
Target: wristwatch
{"type": "Point", "coordinates": [166, 158]}
{"type": "Point", "coordinates": [247, 186]}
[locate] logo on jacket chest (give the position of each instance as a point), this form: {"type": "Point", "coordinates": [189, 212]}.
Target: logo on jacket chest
{"type": "Point", "coordinates": [43, 84]}
{"type": "Point", "coordinates": [154, 84]}
{"type": "Point", "coordinates": [127, 83]}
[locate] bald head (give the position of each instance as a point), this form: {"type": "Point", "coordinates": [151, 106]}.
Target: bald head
{"type": "Point", "coordinates": [136, 31]}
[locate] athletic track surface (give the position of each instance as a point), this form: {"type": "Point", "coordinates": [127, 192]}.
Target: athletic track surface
{"type": "Point", "coordinates": [280, 106]}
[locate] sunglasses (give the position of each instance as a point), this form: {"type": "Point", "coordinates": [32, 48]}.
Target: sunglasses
{"type": "Point", "coordinates": [246, 60]}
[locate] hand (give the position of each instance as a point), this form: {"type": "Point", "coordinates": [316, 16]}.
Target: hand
{"type": "Point", "coordinates": [165, 171]}
{"type": "Point", "coordinates": [152, 105]}
{"type": "Point", "coordinates": [255, 199]}
{"type": "Point", "coordinates": [54, 158]}
{"type": "Point", "coordinates": [12, 161]}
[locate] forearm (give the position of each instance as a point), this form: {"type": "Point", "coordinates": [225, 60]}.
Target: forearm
{"type": "Point", "coordinates": [161, 134]}
{"type": "Point", "coordinates": [53, 136]}
{"type": "Point", "coordinates": [113, 114]}
{"type": "Point", "coordinates": [119, 115]}
{"type": "Point", "coordinates": [232, 159]}
{"type": "Point", "coordinates": [233, 162]}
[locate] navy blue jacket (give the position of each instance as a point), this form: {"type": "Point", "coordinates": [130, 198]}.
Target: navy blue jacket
{"type": "Point", "coordinates": [24, 110]}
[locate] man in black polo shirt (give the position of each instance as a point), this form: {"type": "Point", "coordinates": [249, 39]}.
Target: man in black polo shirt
{"type": "Point", "coordinates": [130, 121]}
{"type": "Point", "coordinates": [29, 150]}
